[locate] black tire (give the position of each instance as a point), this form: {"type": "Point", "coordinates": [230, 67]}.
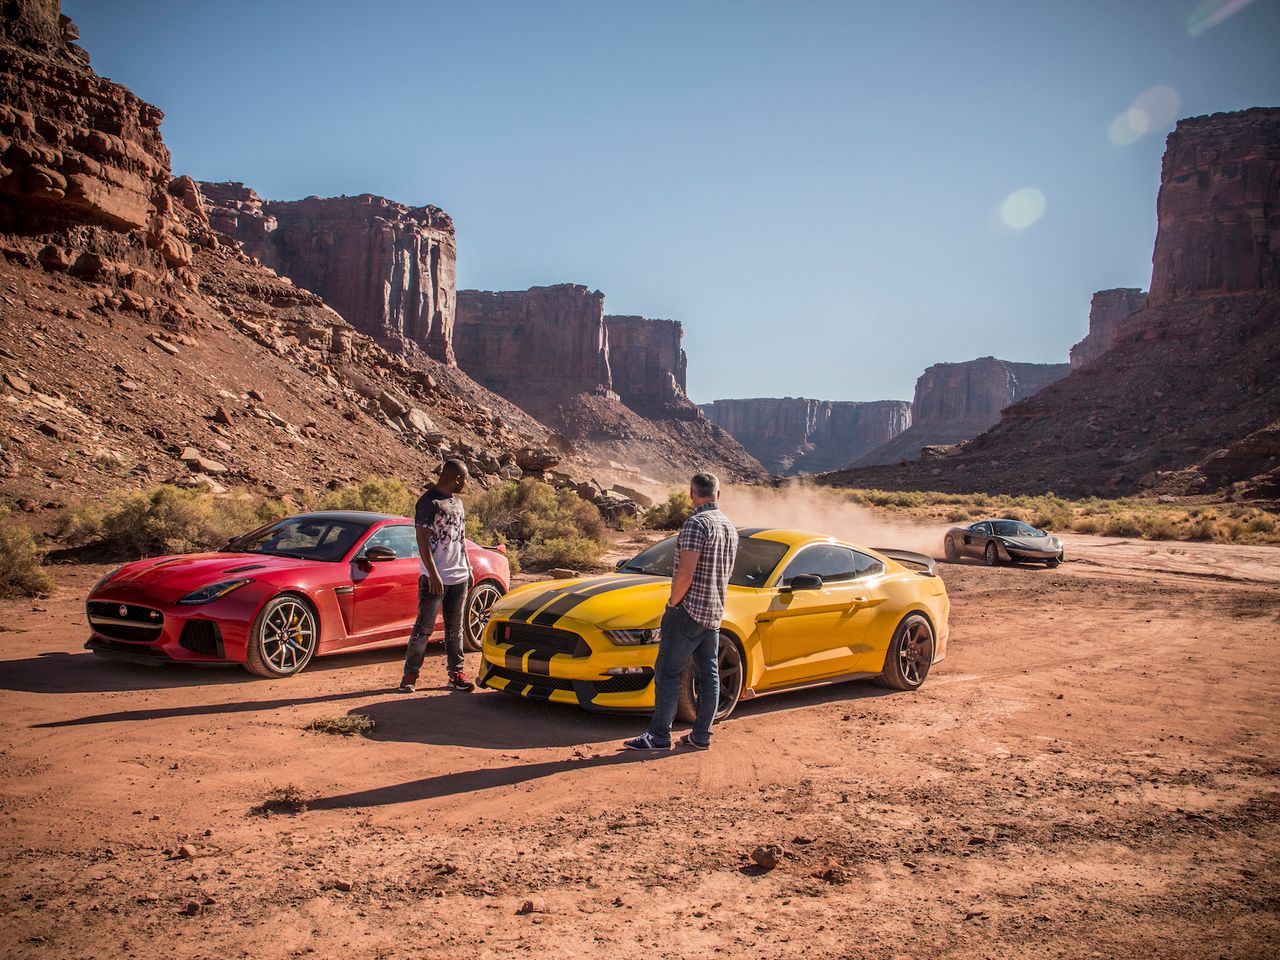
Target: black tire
{"type": "Point", "coordinates": [910, 655]}
{"type": "Point", "coordinates": [991, 554]}
{"type": "Point", "coordinates": [733, 664]}
{"type": "Point", "coordinates": [283, 638]}
{"type": "Point", "coordinates": [949, 550]}
{"type": "Point", "coordinates": [1051, 564]}
{"type": "Point", "coordinates": [480, 601]}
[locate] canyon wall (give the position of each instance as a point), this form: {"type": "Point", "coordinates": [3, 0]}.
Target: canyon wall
{"type": "Point", "coordinates": [81, 158]}
{"type": "Point", "coordinates": [1218, 210]}
{"type": "Point", "coordinates": [387, 268]}
{"type": "Point", "coordinates": [535, 347]}
{"type": "Point", "coordinates": [1107, 310]}
{"type": "Point", "coordinates": [954, 402]}
{"type": "Point", "coordinates": [1187, 400]}
{"type": "Point", "coordinates": [792, 435]}
{"type": "Point", "coordinates": [649, 365]}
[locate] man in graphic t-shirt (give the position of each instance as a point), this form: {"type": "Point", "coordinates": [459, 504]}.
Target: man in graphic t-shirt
{"type": "Point", "coordinates": [445, 575]}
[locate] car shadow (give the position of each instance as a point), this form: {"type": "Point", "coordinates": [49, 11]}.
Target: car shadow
{"type": "Point", "coordinates": [471, 781]}
{"type": "Point", "coordinates": [61, 672]}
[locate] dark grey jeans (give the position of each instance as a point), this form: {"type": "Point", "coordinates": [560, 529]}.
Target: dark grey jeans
{"type": "Point", "coordinates": [684, 638]}
{"type": "Point", "coordinates": [454, 600]}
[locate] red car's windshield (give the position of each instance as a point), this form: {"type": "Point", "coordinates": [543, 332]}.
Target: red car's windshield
{"type": "Point", "coordinates": [303, 538]}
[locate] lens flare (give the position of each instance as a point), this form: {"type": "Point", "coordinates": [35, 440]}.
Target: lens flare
{"type": "Point", "coordinates": [1022, 208]}
{"type": "Point", "coordinates": [1209, 13]}
{"type": "Point", "coordinates": [1151, 111]}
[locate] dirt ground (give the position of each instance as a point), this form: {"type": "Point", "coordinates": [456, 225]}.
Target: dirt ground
{"type": "Point", "coordinates": [1091, 772]}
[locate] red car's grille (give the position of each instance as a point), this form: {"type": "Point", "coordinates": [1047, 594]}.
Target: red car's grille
{"type": "Point", "coordinates": [125, 621]}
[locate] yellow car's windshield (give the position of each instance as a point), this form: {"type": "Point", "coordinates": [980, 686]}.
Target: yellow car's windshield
{"type": "Point", "coordinates": [755, 562]}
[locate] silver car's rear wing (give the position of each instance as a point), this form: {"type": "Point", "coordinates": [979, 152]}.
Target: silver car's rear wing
{"type": "Point", "coordinates": [914, 559]}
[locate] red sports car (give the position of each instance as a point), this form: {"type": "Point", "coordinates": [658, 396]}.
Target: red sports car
{"type": "Point", "coordinates": [307, 585]}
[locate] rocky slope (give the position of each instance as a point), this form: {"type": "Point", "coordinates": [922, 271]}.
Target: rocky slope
{"type": "Point", "coordinates": [1107, 310]}
{"type": "Point", "coordinates": [1187, 399]}
{"type": "Point", "coordinates": [954, 402]}
{"type": "Point", "coordinates": [140, 346]}
{"type": "Point", "coordinates": [387, 268]}
{"type": "Point", "coordinates": [792, 435]}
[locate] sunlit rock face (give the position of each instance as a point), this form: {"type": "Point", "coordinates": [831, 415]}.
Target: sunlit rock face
{"type": "Point", "coordinates": [81, 158]}
{"type": "Point", "coordinates": [1108, 309]}
{"type": "Point", "coordinates": [792, 435]}
{"type": "Point", "coordinates": [648, 364]}
{"type": "Point", "coordinates": [535, 347]}
{"type": "Point", "coordinates": [957, 401]}
{"type": "Point", "coordinates": [1218, 210]}
{"type": "Point", "coordinates": [387, 268]}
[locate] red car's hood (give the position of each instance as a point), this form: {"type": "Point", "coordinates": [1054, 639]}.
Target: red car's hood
{"type": "Point", "coordinates": [188, 572]}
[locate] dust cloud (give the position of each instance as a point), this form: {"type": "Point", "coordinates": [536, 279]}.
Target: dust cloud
{"type": "Point", "coordinates": [801, 506]}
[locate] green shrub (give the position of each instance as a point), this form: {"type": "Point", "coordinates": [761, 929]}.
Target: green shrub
{"type": "Point", "coordinates": [671, 514]}
{"type": "Point", "coordinates": [167, 519]}
{"type": "Point", "coordinates": [1121, 525]}
{"type": "Point", "coordinates": [376, 494]}
{"type": "Point", "coordinates": [547, 527]}
{"type": "Point", "coordinates": [22, 573]}
{"type": "Point", "coordinates": [1202, 528]}
{"type": "Point", "coordinates": [1261, 523]}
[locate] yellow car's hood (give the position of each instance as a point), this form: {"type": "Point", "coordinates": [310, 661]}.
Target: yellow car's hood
{"type": "Point", "coordinates": [615, 601]}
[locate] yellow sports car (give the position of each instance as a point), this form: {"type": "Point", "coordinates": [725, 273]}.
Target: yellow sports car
{"type": "Point", "coordinates": [802, 610]}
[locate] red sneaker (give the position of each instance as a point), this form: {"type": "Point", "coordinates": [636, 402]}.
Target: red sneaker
{"type": "Point", "coordinates": [459, 681]}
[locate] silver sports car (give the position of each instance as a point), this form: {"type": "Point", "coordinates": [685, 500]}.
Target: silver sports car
{"type": "Point", "coordinates": [1002, 541]}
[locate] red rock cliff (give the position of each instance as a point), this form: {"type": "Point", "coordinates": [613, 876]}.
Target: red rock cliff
{"type": "Point", "coordinates": [81, 158]}
{"type": "Point", "coordinates": [1219, 207]}
{"type": "Point", "coordinates": [535, 347]}
{"type": "Point", "coordinates": [957, 401]}
{"type": "Point", "coordinates": [387, 268]}
{"type": "Point", "coordinates": [649, 365]}
{"type": "Point", "coordinates": [792, 435]}
{"type": "Point", "coordinates": [1106, 312]}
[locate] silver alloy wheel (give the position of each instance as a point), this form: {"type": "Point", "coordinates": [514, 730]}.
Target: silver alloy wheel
{"type": "Point", "coordinates": [915, 653]}
{"type": "Point", "coordinates": [479, 609]}
{"type": "Point", "coordinates": [288, 636]}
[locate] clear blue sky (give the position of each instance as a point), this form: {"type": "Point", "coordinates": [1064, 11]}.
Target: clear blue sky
{"type": "Point", "coordinates": [815, 188]}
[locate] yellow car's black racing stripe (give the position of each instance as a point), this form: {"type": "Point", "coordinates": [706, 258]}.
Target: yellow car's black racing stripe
{"type": "Point", "coordinates": [554, 611]}
{"type": "Point", "coordinates": [529, 609]}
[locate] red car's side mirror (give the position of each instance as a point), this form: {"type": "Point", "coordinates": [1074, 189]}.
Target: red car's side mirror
{"type": "Point", "coordinates": [380, 554]}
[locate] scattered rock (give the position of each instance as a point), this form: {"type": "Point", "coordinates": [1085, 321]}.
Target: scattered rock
{"type": "Point", "coordinates": [187, 852]}
{"type": "Point", "coordinates": [562, 573]}
{"type": "Point", "coordinates": [222, 416]}
{"type": "Point", "coordinates": [767, 855]}
{"type": "Point", "coordinates": [165, 345]}
{"type": "Point", "coordinates": [346, 886]}
{"type": "Point", "coordinates": [193, 909]}
{"type": "Point", "coordinates": [15, 382]}
{"type": "Point", "coordinates": [535, 460]}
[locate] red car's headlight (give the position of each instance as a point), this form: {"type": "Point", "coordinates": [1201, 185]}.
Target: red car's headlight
{"type": "Point", "coordinates": [214, 591]}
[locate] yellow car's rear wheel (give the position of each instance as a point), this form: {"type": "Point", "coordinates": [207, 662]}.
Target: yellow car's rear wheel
{"type": "Point", "coordinates": [910, 654]}
{"type": "Point", "coordinates": [732, 667]}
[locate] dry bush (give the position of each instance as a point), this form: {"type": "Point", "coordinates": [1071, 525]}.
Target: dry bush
{"type": "Point", "coordinates": [376, 494]}
{"type": "Point", "coordinates": [167, 519]}
{"type": "Point", "coordinates": [546, 526]}
{"type": "Point", "coordinates": [287, 800]}
{"type": "Point", "coordinates": [671, 513]}
{"type": "Point", "coordinates": [346, 725]}
{"type": "Point", "coordinates": [22, 572]}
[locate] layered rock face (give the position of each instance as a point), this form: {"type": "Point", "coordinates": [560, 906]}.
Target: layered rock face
{"type": "Point", "coordinates": [648, 365]}
{"type": "Point", "coordinates": [1187, 399]}
{"type": "Point", "coordinates": [1107, 310]}
{"type": "Point", "coordinates": [957, 401]}
{"type": "Point", "coordinates": [81, 158]}
{"type": "Point", "coordinates": [1218, 210]}
{"type": "Point", "coordinates": [791, 435]}
{"type": "Point", "coordinates": [535, 347]}
{"type": "Point", "coordinates": [387, 268]}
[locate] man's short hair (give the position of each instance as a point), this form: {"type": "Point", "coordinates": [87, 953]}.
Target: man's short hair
{"type": "Point", "coordinates": [455, 468]}
{"type": "Point", "coordinates": [705, 484]}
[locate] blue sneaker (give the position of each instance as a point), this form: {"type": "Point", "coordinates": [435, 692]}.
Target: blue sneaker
{"type": "Point", "coordinates": [645, 742]}
{"type": "Point", "coordinates": [688, 741]}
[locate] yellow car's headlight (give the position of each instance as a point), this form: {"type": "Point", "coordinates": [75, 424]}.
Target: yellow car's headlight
{"type": "Point", "coordinates": [633, 638]}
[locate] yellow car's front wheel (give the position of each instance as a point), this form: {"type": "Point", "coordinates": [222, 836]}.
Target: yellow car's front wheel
{"type": "Point", "coordinates": [732, 666]}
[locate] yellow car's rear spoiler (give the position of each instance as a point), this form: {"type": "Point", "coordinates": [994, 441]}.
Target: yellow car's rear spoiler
{"type": "Point", "coordinates": [914, 559]}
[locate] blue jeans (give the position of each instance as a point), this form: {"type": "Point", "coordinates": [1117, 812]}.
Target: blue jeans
{"type": "Point", "coordinates": [684, 638]}
{"type": "Point", "coordinates": [454, 601]}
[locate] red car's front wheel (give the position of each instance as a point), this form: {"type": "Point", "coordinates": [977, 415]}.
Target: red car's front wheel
{"type": "Point", "coordinates": [283, 639]}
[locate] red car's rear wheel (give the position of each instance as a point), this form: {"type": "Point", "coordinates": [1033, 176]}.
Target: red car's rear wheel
{"type": "Point", "coordinates": [283, 639]}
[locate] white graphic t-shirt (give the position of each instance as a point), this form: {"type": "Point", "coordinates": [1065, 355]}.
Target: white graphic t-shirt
{"type": "Point", "coordinates": [442, 517]}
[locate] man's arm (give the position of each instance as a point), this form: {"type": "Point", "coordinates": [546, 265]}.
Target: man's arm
{"type": "Point", "coordinates": [423, 517]}
{"type": "Point", "coordinates": [684, 576]}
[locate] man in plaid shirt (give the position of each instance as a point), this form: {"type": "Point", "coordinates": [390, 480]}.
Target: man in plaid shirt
{"type": "Point", "coordinates": [705, 551]}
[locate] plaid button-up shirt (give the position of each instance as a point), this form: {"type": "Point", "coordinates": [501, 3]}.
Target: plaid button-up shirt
{"type": "Point", "coordinates": [708, 533]}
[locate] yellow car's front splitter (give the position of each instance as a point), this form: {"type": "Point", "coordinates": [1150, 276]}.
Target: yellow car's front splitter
{"type": "Point", "coordinates": [601, 694]}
